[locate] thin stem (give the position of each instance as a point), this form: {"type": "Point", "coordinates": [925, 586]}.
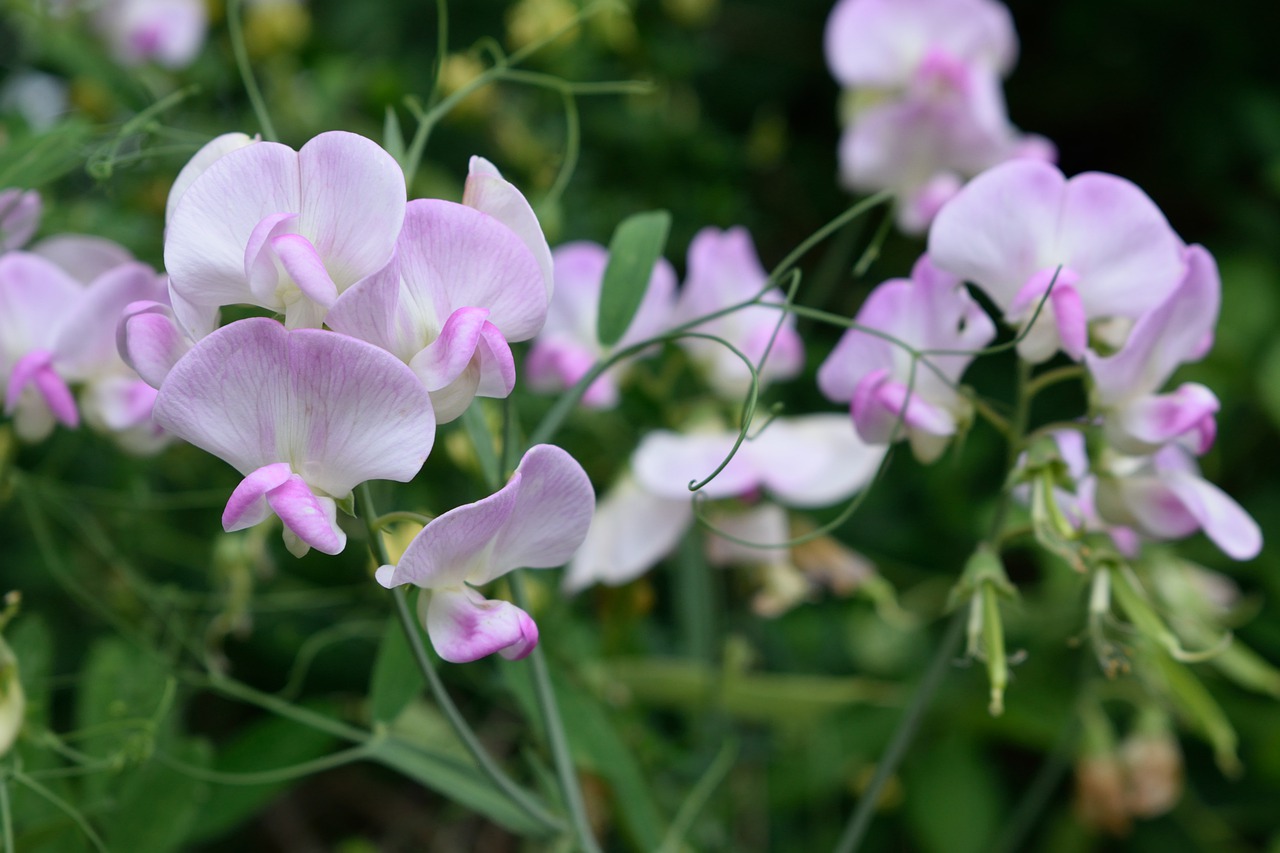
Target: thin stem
{"type": "Point", "coordinates": [559, 743]}
{"type": "Point", "coordinates": [6, 817]}
{"type": "Point", "coordinates": [442, 48]}
{"type": "Point", "coordinates": [1052, 377]}
{"type": "Point", "coordinates": [236, 31]}
{"type": "Point", "coordinates": [697, 799]}
{"type": "Point", "coordinates": [269, 777]}
{"type": "Point", "coordinates": [63, 806]}
{"type": "Point", "coordinates": [483, 760]}
{"type": "Point", "coordinates": [1037, 794]}
{"type": "Point", "coordinates": [860, 821]}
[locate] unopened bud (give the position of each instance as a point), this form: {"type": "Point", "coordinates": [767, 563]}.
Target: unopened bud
{"type": "Point", "coordinates": [1153, 768]}
{"type": "Point", "coordinates": [13, 702]}
{"type": "Point", "coordinates": [1100, 793]}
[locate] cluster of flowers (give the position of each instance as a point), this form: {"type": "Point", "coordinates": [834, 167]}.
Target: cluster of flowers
{"type": "Point", "coordinates": [802, 461]}
{"type": "Point", "coordinates": [924, 110]}
{"type": "Point", "coordinates": [1088, 267]}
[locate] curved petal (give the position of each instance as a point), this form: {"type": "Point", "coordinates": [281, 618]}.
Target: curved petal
{"type": "Point", "coordinates": [313, 519]}
{"type": "Point", "coordinates": [340, 410]}
{"type": "Point", "coordinates": [370, 310]}
{"type": "Point", "coordinates": [1174, 504]}
{"type": "Point", "coordinates": [447, 356]}
{"type": "Point", "coordinates": [1113, 235]}
{"type": "Point", "coordinates": [1001, 228]}
{"type": "Point", "coordinates": [455, 545]}
{"type": "Point", "coordinates": [208, 153]}
{"type": "Point", "coordinates": [464, 626]}
{"type": "Point", "coordinates": [632, 530]}
{"type": "Point", "coordinates": [205, 241]}
{"type": "Point", "coordinates": [353, 204]}
{"type": "Point", "coordinates": [247, 505]}
{"type": "Point", "coordinates": [35, 298]}
{"type": "Point", "coordinates": [1164, 338]}
{"type": "Point", "coordinates": [496, 364]}
{"type": "Point", "coordinates": [86, 342]}
{"type": "Point", "coordinates": [149, 340]}
{"type": "Point", "coordinates": [452, 257]}
{"type": "Point", "coordinates": [1146, 423]}
{"type": "Point", "coordinates": [19, 217]}
{"type": "Point", "coordinates": [488, 192]}
{"type": "Point", "coordinates": [549, 520]}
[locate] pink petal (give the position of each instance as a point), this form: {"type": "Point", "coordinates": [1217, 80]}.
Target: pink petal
{"type": "Point", "coordinates": [549, 520]}
{"type": "Point", "coordinates": [342, 411]}
{"type": "Point", "coordinates": [19, 217]}
{"type": "Point", "coordinates": [464, 626]}
{"type": "Point", "coordinates": [1113, 235]}
{"type": "Point", "coordinates": [1177, 503]}
{"type": "Point", "coordinates": [488, 192]}
{"type": "Point", "coordinates": [121, 403]}
{"type": "Point", "coordinates": [452, 257]}
{"type": "Point", "coordinates": [305, 266]}
{"type": "Point", "coordinates": [312, 519]}
{"type": "Point", "coordinates": [35, 369]}
{"type": "Point", "coordinates": [260, 269]}
{"type": "Point", "coordinates": [880, 43]}
{"type": "Point", "coordinates": [1164, 338]}
{"type": "Point", "coordinates": [86, 342]}
{"type": "Point", "coordinates": [247, 505]}
{"type": "Point", "coordinates": [447, 356]}
{"type": "Point", "coordinates": [212, 222]}
{"type": "Point", "coordinates": [35, 298]}
{"type": "Point", "coordinates": [353, 204]}
{"type": "Point", "coordinates": [454, 546]}
{"type": "Point", "coordinates": [149, 340]}
{"type": "Point", "coordinates": [1145, 423]}
{"type": "Point", "coordinates": [496, 363]}
{"type": "Point", "coordinates": [370, 310]}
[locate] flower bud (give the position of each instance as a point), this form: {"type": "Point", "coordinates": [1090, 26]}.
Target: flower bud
{"type": "Point", "coordinates": [1153, 769]}
{"type": "Point", "coordinates": [13, 702]}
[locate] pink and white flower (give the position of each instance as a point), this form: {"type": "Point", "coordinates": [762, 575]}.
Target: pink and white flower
{"type": "Point", "coordinates": [929, 311]}
{"type": "Point", "coordinates": [1099, 240]}
{"type": "Point", "coordinates": [460, 288]}
{"type": "Point", "coordinates": [537, 521]}
{"type": "Point", "coordinates": [567, 346]}
{"type": "Point", "coordinates": [1135, 418]}
{"type": "Point", "coordinates": [287, 230]}
{"type": "Point", "coordinates": [724, 270]}
{"type": "Point", "coordinates": [305, 415]}
{"type": "Point", "coordinates": [166, 32]}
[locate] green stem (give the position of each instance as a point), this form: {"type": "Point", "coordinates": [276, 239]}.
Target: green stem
{"type": "Point", "coordinates": [6, 818]}
{"type": "Point", "coordinates": [860, 821]}
{"type": "Point", "coordinates": [559, 743]}
{"type": "Point", "coordinates": [1052, 377]}
{"type": "Point", "coordinates": [268, 777]}
{"type": "Point", "coordinates": [483, 760]}
{"type": "Point", "coordinates": [62, 805]}
{"type": "Point", "coordinates": [697, 799]}
{"type": "Point", "coordinates": [236, 31]}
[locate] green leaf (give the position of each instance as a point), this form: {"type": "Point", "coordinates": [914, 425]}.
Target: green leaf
{"type": "Point", "coordinates": [396, 678]}
{"type": "Point", "coordinates": [637, 244]}
{"type": "Point", "coordinates": [157, 805]}
{"type": "Point", "coordinates": [954, 803]}
{"type": "Point", "coordinates": [393, 136]}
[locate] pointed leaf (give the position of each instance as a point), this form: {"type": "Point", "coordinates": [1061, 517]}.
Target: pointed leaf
{"type": "Point", "coordinates": [396, 677]}
{"type": "Point", "coordinates": [636, 246]}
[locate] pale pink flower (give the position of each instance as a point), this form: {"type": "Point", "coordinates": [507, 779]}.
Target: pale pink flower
{"type": "Point", "coordinates": [167, 32]}
{"type": "Point", "coordinates": [567, 346]}
{"type": "Point", "coordinates": [1011, 229]}
{"type": "Point", "coordinates": [537, 520]}
{"type": "Point", "coordinates": [1136, 419]}
{"type": "Point", "coordinates": [460, 288]}
{"type": "Point", "coordinates": [287, 230]}
{"type": "Point", "coordinates": [488, 192]}
{"type": "Point", "coordinates": [19, 217]}
{"type": "Point", "coordinates": [930, 310]}
{"type": "Point", "coordinates": [305, 415]}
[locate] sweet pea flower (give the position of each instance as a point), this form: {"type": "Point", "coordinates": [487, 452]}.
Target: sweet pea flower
{"type": "Point", "coordinates": [286, 230]}
{"type": "Point", "coordinates": [1162, 496]}
{"type": "Point", "coordinates": [923, 78]}
{"type": "Point", "coordinates": [1136, 419]}
{"type": "Point", "coordinates": [930, 310]}
{"type": "Point", "coordinates": [84, 257]}
{"type": "Point", "coordinates": [883, 43]}
{"type": "Point", "coordinates": [305, 415]}
{"type": "Point", "coordinates": [537, 520]}
{"type": "Point", "coordinates": [1012, 227]}
{"type": "Point", "coordinates": [724, 269]}
{"type": "Point", "coordinates": [167, 32]}
{"type": "Point", "coordinates": [56, 332]}
{"type": "Point", "coordinates": [809, 461]}
{"type": "Point", "coordinates": [208, 154]}
{"type": "Point", "coordinates": [19, 217]}
{"type": "Point", "coordinates": [461, 286]}
{"type": "Point", "coordinates": [567, 346]}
